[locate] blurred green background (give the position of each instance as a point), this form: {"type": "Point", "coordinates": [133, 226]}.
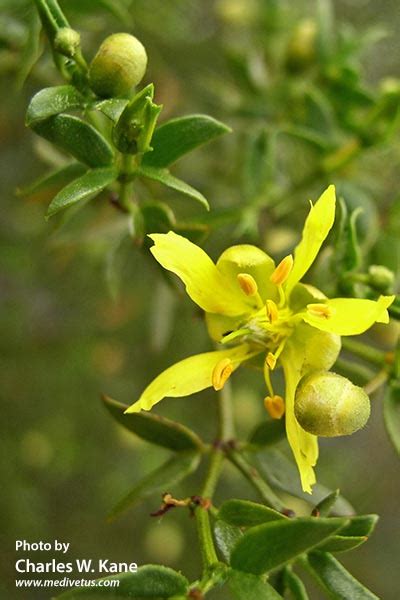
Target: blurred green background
{"type": "Point", "coordinates": [83, 313]}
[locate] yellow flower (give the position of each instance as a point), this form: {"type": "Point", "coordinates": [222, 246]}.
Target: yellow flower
{"type": "Point", "coordinates": [256, 307]}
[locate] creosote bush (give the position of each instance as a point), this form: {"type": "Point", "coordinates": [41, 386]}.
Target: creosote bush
{"type": "Point", "coordinates": [286, 313]}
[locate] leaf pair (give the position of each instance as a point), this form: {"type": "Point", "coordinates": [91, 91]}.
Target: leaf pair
{"type": "Point", "coordinates": [162, 432]}
{"type": "Point", "coordinates": [272, 540]}
{"type": "Point", "coordinates": [47, 116]}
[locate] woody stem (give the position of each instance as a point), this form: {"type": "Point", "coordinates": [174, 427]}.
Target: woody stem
{"type": "Point", "coordinates": [225, 432]}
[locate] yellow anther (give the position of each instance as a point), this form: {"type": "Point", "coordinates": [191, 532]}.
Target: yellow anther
{"type": "Point", "coordinates": [271, 360]}
{"type": "Point", "coordinates": [272, 311]}
{"type": "Point", "coordinates": [275, 406]}
{"type": "Point", "coordinates": [282, 271]}
{"type": "Point", "coordinates": [221, 373]}
{"type": "Point", "coordinates": [248, 284]}
{"type": "Point", "coordinates": [320, 310]}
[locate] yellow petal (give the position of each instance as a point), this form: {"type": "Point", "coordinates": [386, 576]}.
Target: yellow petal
{"type": "Point", "coordinates": [206, 286]}
{"type": "Point", "coordinates": [304, 445]}
{"type": "Point", "coordinates": [188, 376]}
{"type": "Point", "coordinates": [350, 316]}
{"type": "Point", "coordinates": [316, 229]}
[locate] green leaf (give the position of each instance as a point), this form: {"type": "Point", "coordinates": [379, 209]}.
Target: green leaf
{"type": "Point", "coordinates": [245, 586]}
{"type": "Point", "coordinates": [226, 537]}
{"type": "Point", "coordinates": [324, 507]}
{"type": "Point", "coordinates": [268, 433]}
{"type": "Point", "coordinates": [347, 255]}
{"type": "Point", "coordinates": [168, 474]}
{"type": "Point", "coordinates": [360, 525]}
{"type": "Point", "coordinates": [282, 474]}
{"type": "Point", "coordinates": [158, 217]}
{"type": "Point", "coordinates": [335, 579]}
{"type": "Point", "coordinates": [117, 9]}
{"type": "Point", "coordinates": [53, 101]}
{"type": "Point", "coordinates": [78, 138]}
{"type": "Point", "coordinates": [84, 188]}
{"type": "Point", "coordinates": [111, 108]}
{"type": "Point", "coordinates": [243, 513]}
{"type": "Point", "coordinates": [391, 413]}
{"type": "Point", "coordinates": [342, 543]}
{"type": "Point", "coordinates": [150, 581]}
{"type": "Point", "coordinates": [258, 161]}
{"type": "Point", "coordinates": [153, 428]}
{"type": "Point", "coordinates": [175, 138]}
{"type": "Point", "coordinates": [32, 49]}
{"type": "Point", "coordinates": [164, 176]}
{"type": "Point", "coordinates": [273, 544]}
{"type": "Point", "coordinates": [295, 585]}
{"type": "Point", "coordinates": [55, 178]}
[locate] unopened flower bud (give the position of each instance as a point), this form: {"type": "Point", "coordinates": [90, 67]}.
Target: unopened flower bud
{"type": "Point", "coordinates": [302, 45]}
{"type": "Point", "coordinates": [390, 86]}
{"type": "Point", "coordinates": [380, 278]}
{"type": "Point", "coordinates": [67, 41]}
{"type": "Point", "coordinates": [118, 66]}
{"type": "Point", "coordinates": [327, 404]}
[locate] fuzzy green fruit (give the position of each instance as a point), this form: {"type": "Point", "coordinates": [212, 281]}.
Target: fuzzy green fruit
{"type": "Point", "coordinates": [329, 405]}
{"type": "Point", "coordinates": [118, 66]}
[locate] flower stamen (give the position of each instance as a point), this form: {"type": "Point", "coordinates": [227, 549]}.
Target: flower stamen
{"type": "Point", "coordinates": [248, 284]}
{"type": "Point", "coordinates": [271, 360]}
{"type": "Point", "coordinates": [320, 310]}
{"type": "Point", "coordinates": [275, 406]}
{"type": "Point", "coordinates": [272, 311]}
{"type": "Point", "coordinates": [282, 271]}
{"type": "Point", "coordinates": [221, 373]}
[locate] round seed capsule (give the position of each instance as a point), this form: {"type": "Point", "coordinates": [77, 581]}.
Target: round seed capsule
{"type": "Point", "coordinates": [329, 405]}
{"type": "Point", "coordinates": [119, 64]}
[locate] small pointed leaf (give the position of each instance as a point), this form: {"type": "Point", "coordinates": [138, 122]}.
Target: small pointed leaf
{"type": "Point", "coordinates": [335, 579]}
{"type": "Point", "coordinates": [111, 108]}
{"type": "Point", "coordinates": [226, 537]}
{"type": "Point", "coordinates": [164, 176]}
{"type": "Point", "coordinates": [342, 543]}
{"type": "Point", "coordinates": [243, 513]}
{"type": "Point", "coordinates": [245, 586]}
{"type": "Point", "coordinates": [84, 188]}
{"type": "Point", "coordinates": [324, 507]}
{"type": "Point", "coordinates": [391, 413]}
{"type": "Point", "coordinates": [55, 178]}
{"type": "Point", "coordinates": [154, 428]}
{"type": "Point", "coordinates": [32, 48]}
{"type": "Point", "coordinates": [268, 432]}
{"type": "Point", "coordinates": [168, 474]}
{"type": "Point", "coordinates": [258, 161]}
{"type": "Point", "coordinates": [295, 585]}
{"type": "Point", "coordinates": [151, 581]}
{"type": "Point", "coordinates": [360, 525]}
{"type": "Point", "coordinates": [78, 138]}
{"type": "Point", "coordinates": [273, 544]}
{"type": "Point", "coordinates": [158, 217]}
{"type": "Point", "coordinates": [175, 138]}
{"type": "Point", "coordinates": [281, 473]}
{"type": "Point", "coordinates": [53, 101]}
